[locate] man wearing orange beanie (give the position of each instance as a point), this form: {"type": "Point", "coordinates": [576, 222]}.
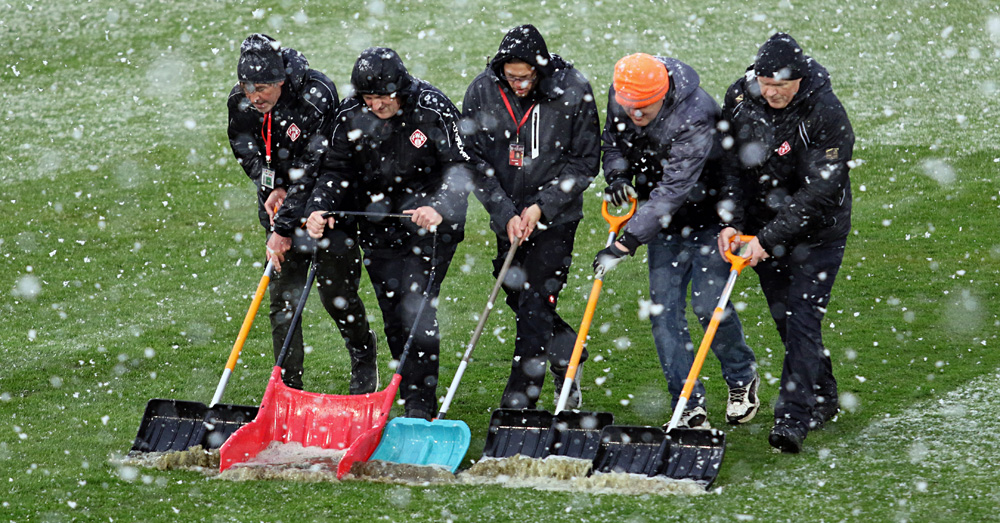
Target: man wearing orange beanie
{"type": "Point", "coordinates": [660, 136]}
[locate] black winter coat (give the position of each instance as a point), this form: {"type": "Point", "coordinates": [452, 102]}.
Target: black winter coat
{"type": "Point", "coordinates": [300, 124]}
{"type": "Point", "coordinates": [672, 162]}
{"type": "Point", "coordinates": [788, 169]}
{"type": "Point", "coordinates": [561, 136]}
{"type": "Point", "coordinates": [413, 159]}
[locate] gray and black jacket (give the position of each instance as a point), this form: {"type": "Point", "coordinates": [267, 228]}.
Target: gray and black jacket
{"type": "Point", "coordinates": [300, 124]}
{"type": "Point", "coordinates": [668, 160]}
{"type": "Point", "coordinates": [788, 169]}
{"type": "Point", "coordinates": [560, 136]}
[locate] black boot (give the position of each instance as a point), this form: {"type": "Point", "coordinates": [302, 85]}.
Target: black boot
{"type": "Point", "coordinates": [364, 367]}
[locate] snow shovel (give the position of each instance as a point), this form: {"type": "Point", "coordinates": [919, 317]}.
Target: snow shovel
{"type": "Point", "coordinates": [174, 425]}
{"type": "Point", "coordinates": [574, 434]}
{"type": "Point", "coordinates": [352, 423]}
{"type": "Point", "coordinates": [440, 442]}
{"type": "Point", "coordinates": [677, 453]}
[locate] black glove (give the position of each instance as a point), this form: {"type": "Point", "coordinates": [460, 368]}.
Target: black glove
{"type": "Point", "coordinates": [607, 258]}
{"type": "Point", "coordinates": [619, 192]}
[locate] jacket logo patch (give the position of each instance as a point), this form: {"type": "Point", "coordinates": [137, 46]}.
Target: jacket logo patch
{"type": "Point", "coordinates": [832, 154]}
{"type": "Point", "coordinates": [418, 139]}
{"type": "Point", "coordinates": [739, 98]}
{"type": "Point", "coordinates": [294, 132]}
{"type": "Point", "coordinates": [784, 149]}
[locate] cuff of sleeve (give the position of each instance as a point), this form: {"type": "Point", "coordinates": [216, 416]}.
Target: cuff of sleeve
{"type": "Point", "coordinates": [630, 242]}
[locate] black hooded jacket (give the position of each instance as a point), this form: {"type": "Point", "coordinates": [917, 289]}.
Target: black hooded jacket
{"type": "Point", "coordinates": [561, 135]}
{"type": "Point", "coordinates": [788, 169]}
{"type": "Point", "coordinates": [672, 162]}
{"type": "Point", "coordinates": [300, 123]}
{"type": "Point", "coordinates": [412, 159]}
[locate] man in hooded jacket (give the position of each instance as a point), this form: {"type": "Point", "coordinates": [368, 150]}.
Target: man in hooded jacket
{"type": "Point", "coordinates": [538, 138]}
{"type": "Point", "coordinates": [396, 151]}
{"type": "Point", "coordinates": [788, 162]}
{"type": "Point", "coordinates": [660, 135]}
{"type": "Point", "coordinates": [280, 114]}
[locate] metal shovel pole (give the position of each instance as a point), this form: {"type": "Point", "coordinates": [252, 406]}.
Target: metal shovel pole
{"type": "Point", "coordinates": [738, 264]}
{"type": "Point", "coordinates": [478, 331]}
{"type": "Point", "coordinates": [242, 337]}
{"type": "Point", "coordinates": [615, 223]}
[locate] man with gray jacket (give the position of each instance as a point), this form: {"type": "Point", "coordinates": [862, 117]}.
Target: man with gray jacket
{"type": "Point", "coordinates": [537, 139]}
{"type": "Point", "coordinates": [659, 142]}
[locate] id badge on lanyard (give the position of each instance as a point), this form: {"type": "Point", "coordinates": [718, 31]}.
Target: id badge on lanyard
{"type": "Point", "coordinates": [516, 150]}
{"type": "Point", "coordinates": [266, 172]}
{"type": "Point", "coordinates": [516, 154]}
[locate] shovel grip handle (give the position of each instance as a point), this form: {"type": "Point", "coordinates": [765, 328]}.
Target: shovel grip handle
{"type": "Point", "coordinates": [740, 259]}
{"type": "Point", "coordinates": [615, 223]}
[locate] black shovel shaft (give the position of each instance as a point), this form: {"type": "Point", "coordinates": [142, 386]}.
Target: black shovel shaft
{"type": "Point", "coordinates": [371, 214]}
{"type": "Point", "coordinates": [297, 317]}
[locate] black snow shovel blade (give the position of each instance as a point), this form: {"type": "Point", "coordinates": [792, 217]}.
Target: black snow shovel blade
{"type": "Point", "coordinates": [694, 454]}
{"type": "Point", "coordinates": [630, 449]}
{"type": "Point", "coordinates": [519, 431]}
{"type": "Point", "coordinates": [577, 434]}
{"type": "Point", "coordinates": [175, 425]}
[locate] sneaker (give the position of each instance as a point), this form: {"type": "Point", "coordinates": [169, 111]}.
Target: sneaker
{"type": "Point", "coordinates": [695, 418]}
{"type": "Point", "coordinates": [787, 436]}
{"type": "Point", "coordinates": [826, 409]}
{"type": "Point", "coordinates": [364, 370]}
{"type": "Point", "coordinates": [743, 402]}
{"type": "Point", "coordinates": [575, 400]}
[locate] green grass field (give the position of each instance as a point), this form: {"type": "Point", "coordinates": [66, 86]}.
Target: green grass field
{"type": "Point", "coordinates": [130, 250]}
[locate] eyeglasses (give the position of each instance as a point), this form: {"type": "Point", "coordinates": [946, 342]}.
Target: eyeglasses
{"type": "Point", "coordinates": [513, 80]}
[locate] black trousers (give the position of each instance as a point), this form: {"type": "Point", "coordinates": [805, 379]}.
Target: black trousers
{"type": "Point", "coordinates": [337, 278]}
{"type": "Point", "coordinates": [400, 282]}
{"type": "Point", "coordinates": [797, 287]}
{"type": "Point", "coordinates": [536, 276]}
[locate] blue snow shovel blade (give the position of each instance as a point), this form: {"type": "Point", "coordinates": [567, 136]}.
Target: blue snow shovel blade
{"type": "Point", "coordinates": [416, 441]}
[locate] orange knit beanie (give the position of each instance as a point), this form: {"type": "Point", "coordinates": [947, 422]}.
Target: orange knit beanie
{"type": "Point", "coordinates": [640, 80]}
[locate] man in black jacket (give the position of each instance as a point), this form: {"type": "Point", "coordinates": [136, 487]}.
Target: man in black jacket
{"type": "Point", "coordinates": [788, 163]}
{"type": "Point", "coordinates": [537, 134]}
{"type": "Point", "coordinates": [280, 114]}
{"type": "Point", "coordinates": [660, 135]}
{"type": "Point", "coordinates": [396, 148]}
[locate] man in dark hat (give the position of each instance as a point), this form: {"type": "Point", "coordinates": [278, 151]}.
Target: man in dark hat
{"type": "Point", "coordinates": [280, 114]}
{"type": "Point", "coordinates": [396, 149]}
{"type": "Point", "coordinates": [538, 135]}
{"type": "Point", "coordinates": [790, 146]}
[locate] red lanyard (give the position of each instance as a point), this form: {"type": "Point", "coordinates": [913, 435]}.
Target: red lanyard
{"type": "Point", "coordinates": [267, 138]}
{"type": "Point", "coordinates": [511, 111]}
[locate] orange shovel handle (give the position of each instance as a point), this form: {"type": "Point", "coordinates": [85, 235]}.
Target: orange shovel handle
{"type": "Point", "coordinates": [740, 259]}
{"type": "Point", "coordinates": [617, 222]}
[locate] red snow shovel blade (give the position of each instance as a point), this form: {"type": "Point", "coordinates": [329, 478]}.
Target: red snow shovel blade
{"type": "Point", "coordinates": [350, 423]}
{"type": "Point", "coordinates": [694, 454]}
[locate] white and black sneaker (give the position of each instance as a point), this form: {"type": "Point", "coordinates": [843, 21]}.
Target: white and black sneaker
{"type": "Point", "coordinates": [575, 400]}
{"type": "Point", "coordinates": [743, 402]}
{"type": "Point", "coordinates": [694, 418]}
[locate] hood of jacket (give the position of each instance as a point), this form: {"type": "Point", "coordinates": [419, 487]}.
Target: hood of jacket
{"type": "Point", "coordinates": [296, 67]}
{"type": "Point", "coordinates": [526, 44]}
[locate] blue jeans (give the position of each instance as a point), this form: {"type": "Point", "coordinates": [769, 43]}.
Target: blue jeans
{"type": "Point", "coordinates": [674, 263]}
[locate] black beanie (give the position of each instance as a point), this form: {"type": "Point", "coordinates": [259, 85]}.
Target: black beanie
{"type": "Point", "coordinates": [780, 58]}
{"type": "Point", "coordinates": [260, 60]}
{"type": "Point", "coordinates": [379, 70]}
